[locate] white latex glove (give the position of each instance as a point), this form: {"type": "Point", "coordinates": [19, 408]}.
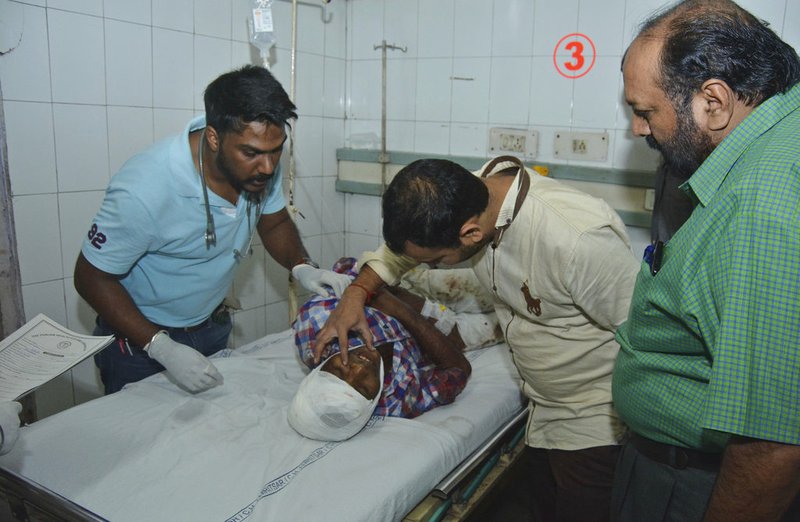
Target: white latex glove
{"type": "Point", "coordinates": [190, 368]}
{"type": "Point", "coordinates": [316, 280]}
{"type": "Point", "coordinates": [9, 425]}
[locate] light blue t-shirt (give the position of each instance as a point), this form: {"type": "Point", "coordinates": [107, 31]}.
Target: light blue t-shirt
{"type": "Point", "coordinates": [151, 231]}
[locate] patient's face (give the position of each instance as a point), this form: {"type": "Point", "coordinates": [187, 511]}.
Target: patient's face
{"type": "Point", "coordinates": [362, 372]}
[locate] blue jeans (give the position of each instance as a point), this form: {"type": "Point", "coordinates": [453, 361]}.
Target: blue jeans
{"type": "Point", "coordinates": [122, 362]}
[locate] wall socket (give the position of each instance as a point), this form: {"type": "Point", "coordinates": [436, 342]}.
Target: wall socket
{"type": "Point", "coordinates": [587, 146]}
{"type": "Point", "coordinates": [516, 142]}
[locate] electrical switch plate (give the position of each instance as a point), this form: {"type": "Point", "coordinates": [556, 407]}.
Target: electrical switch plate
{"type": "Point", "coordinates": [586, 146]}
{"type": "Point", "coordinates": [649, 199]}
{"type": "Point", "coordinates": [516, 142]}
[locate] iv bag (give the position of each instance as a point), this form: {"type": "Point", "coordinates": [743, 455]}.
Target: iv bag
{"type": "Point", "coordinates": [262, 35]}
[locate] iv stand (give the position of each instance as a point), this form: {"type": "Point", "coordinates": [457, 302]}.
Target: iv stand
{"type": "Point", "coordinates": [383, 157]}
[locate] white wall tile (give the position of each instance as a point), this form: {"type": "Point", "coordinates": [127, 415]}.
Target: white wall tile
{"type": "Point", "coordinates": [31, 147]}
{"type": "Point", "coordinates": [213, 18]}
{"type": "Point", "coordinates": [308, 146]}
{"type": "Point", "coordinates": [400, 135]}
{"type": "Point", "coordinates": [242, 53]}
{"type": "Point", "coordinates": [278, 317]}
{"type": "Point", "coordinates": [469, 140]}
{"type": "Point", "coordinates": [471, 87]}
{"type": "Point", "coordinates": [513, 25]}
{"type": "Point", "coordinates": [38, 242]}
{"type": "Point", "coordinates": [435, 31]}
{"type": "Point", "coordinates": [25, 70]}
{"type": "Point", "coordinates": [168, 122]}
{"type": "Point", "coordinates": [80, 316]}
{"type": "Point", "coordinates": [332, 248]}
{"type": "Point", "coordinates": [550, 94]}
{"type": "Point", "coordinates": [277, 281]}
{"type": "Point", "coordinates": [333, 91]}
{"type": "Point", "coordinates": [332, 139]}
{"type": "Point", "coordinates": [45, 298]}
{"type": "Point", "coordinates": [401, 93]}
{"type": "Point", "coordinates": [553, 21]}
{"type": "Point", "coordinates": [771, 11]}
{"type": "Point", "coordinates": [332, 203]}
{"type": "Point", "coordinates": [363, 214]}
{"type": "Point", "coordinates": [81, 147]}
{"type": "Point", "coordinates": [510, 91]}
{"type": "Point", "coordinates": [431, 137]}
{"type": "Point", "coordinates": [308, 200]}
{"type": "Point", "coordinates": [90, 7]}
{"type": "Point", "coordinates": [130, 130]}
{"type": "Point", "coordinates": [595, 102]}
{"type": "Point", "coordinates": [175, 14]}
{"type": "Point", "coordinates": [309, 84]}
{"type": "Point", "coordinates": [335, 29]}
{"type": "Point", "coordinates": [76, 210]}
{"type": "Point", "coordinates": [434, 89]}
{"type": "Point", "coordinates": [137, 11]}
{"type": "Point", "coordinates": [365, 30]}
{"type": "Point", "coordinates": [77, 58]}
{"type": "Point", "coordinates": [173, 73]}
{"type": "Point", "coordinates": [241, 13]}
{"type": "Point", "coordinates": [356, 244]}
{"type": "Point", "coordinates": [249, 285]}
{"type": "Point", "coordinates": [636, 13]}
{"type": "Point", "coordinates": [401, 18]}
{"type": "Point", "coordinates": [603, 23]}
{"type": "Point", "coordinates": [248, 325]}
{"type": "Point", "coordinates": [129, 66]}
{"type": "Point", "coordinates": [364, 89]}
{"type": "Point", "coordinates": [310, 32]}
{"type": "Point", "coordinates": [791, 29]}
{"type": "Point", "coordinates": [212, 58]}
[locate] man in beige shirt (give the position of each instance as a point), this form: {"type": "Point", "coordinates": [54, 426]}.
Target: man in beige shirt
{"type": "Point", "coordinates": [559, 265]}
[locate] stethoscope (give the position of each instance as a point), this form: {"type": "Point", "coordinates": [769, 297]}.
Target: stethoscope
{"type": "Point", "coordinates": [211, 234]}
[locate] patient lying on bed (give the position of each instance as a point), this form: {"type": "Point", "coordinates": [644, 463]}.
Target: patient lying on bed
{"type": "Point", "coordinates": [418, 363]}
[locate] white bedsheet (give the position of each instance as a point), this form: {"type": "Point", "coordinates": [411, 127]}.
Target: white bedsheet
{"type": "Point", "coordinates": [154, 452]}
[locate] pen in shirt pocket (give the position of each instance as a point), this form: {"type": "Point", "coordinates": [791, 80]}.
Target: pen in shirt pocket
{"type": "Point", "coordinates": [654, 255]}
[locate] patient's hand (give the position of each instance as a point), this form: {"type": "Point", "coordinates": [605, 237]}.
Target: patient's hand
{"type": "Point", "coordinates": [348, 316]}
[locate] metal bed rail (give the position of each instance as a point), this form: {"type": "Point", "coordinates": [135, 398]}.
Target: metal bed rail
{"type": "Point", "coordinates": [22, 499]}
{"type": "Point", "coordinates": [446, 486]}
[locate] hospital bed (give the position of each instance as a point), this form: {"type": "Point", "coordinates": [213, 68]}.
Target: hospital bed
{"type": "Point", "coordinates": [155, 452]}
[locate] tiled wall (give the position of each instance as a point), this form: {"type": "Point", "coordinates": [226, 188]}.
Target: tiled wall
{"type": "Point", "coordinates": [92, 81]}
{"type": "Point", "coordinates": [87, 83]}
{"type": "Point", "coordinates": [470, 65]}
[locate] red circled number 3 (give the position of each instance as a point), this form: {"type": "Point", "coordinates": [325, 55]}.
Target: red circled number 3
{"type": "Point", "coordinates": [577, 55]}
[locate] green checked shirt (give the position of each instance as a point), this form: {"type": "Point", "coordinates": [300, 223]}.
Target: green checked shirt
{"type": "Point", "coordinates": [712, 342]}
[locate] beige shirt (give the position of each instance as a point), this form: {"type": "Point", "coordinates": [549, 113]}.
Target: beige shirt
{"type": "Point", "coordinates": [562, 276]}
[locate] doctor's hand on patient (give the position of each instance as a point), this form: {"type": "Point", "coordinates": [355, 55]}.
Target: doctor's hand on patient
{"type": "Point", "coordinates": [326, 283]}
{"type": "Point", "coordinates": [187, 366]}
{"type": "Point", "coordinates": [9, 425]}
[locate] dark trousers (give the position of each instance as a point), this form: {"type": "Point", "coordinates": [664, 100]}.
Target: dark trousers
{"type": "Point", "coordinates": [559, 486]}
{"type": "Point", "coordinates": [646, 489]}
{"type": "Point", "coordinates": [121, 362]}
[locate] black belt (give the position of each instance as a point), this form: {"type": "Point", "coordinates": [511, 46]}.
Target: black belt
{"type": "Point", "coordinates": [187, 329]}
{"type": "Point", "coordinates": [676, 456]}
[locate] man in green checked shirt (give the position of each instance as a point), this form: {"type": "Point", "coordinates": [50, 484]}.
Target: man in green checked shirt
{"type": "Point", "coordinates": [708, 373]}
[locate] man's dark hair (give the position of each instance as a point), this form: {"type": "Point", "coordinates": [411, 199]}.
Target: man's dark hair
{"type": "Point", "coordinates": [245, 95]}
{"type": "Point", "coordinates": [428, 201]}
{"type": "Point", "coordinates": [706, 39]}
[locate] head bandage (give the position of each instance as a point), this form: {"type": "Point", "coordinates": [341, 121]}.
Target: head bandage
{"type": "Point", "coordinates": [327, 408]}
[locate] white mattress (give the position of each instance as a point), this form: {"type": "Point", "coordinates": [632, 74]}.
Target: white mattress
{"type": "Point", "coordinates": [154, 452]}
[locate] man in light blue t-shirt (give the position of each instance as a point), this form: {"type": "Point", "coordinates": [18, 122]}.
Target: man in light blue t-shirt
{"type": "Point", "coordinates": [176, 222]}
